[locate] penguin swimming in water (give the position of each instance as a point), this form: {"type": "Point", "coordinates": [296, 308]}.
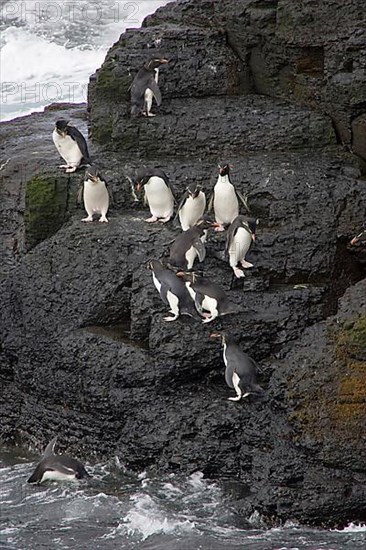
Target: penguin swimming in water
{"type": "Point", "coordinates": [224, 199]}
{"type": "Point", "coordinates": [188, 245]}
{"type": "Point", "coordinates": [158, 194]}
{"type": "Point", "coordinates": [145, 86]}
{"type": "Point", "coordinates": [240, 236]}
{"type": "Point", "coordinates": [55, 467]}
{"type": "Point", "coordinates": [95, 194]}
{"type": "Point", "coordinates": [240, 371]}
{"type": "Point", "coordinates": [71, 145]}
{"type": "Point", "coordinates": [192, 206]}
{"type": "Point", "coordinates": [172, 291]}
{"type": "Point", "coordinates": [208, 296]}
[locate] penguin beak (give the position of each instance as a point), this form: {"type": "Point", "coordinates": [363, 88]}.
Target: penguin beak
{"type": "Point", "coordinates": [253, 237]}
{"type": "Point", "coordinates": [163, 61]}
{"type": "Point", "coordinates": [354, 240]}
{"type": "Point", "coordinates": [139, 186]}
{"type": "Point", "coordinates": [215, 335]}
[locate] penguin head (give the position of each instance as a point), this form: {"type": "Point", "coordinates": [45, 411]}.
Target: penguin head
{"type": "Point", "coordinates": [92, 173]}
{"type": "Point", "coordinates": [226, 337]}
{"type": "Point", "coordinates": [194, 190]}
{"type": "Point", "coordinates": [187, 277]}
{"type": "Point", "coordinates": [154, 265]}
{"type": "Point", "coordinates": [252, 224]}
{"type": "Point", "coordinates": [154, 63]}
{"type": "Point", "coordinates": [360, 239]}
{"type": "Point", "coordinates": [61, 126]}
{"type": "Point", "coordinates": [224, 169]}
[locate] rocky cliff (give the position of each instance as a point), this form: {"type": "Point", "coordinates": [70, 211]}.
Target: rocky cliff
{"type": "Point", "coordinates": [85, 352]}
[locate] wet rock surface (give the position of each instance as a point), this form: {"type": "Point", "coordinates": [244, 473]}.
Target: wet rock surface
{"type": "Point", "coordinates": [85, 351]}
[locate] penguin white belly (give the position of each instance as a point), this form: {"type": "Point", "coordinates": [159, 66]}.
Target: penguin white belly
{"type": "Point", "coordinates": [190, 256]}
{"type": "Point", "coordinates": [68, 148]}
{"type": "Point", "coordinates": [210, 304]}
{"type": "Point", "coordinates": [54, 475]}
{"type": "Point", "coordinates": [192, 211]}
{"type": "Point", "coordinates": [96, 198]}
{"type": "Point", "coordinates": [239, 246]}
{"type": "Point", "coordinates": [159, 197]}
{"type": "Point", "coordinates": [173, 302]}
{"type": "Point", "coordinates": [226, 204]}
{"type": "Point", "coordinates": [156, 283]}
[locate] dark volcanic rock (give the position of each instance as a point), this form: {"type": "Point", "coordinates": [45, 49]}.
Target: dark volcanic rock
{"type": "Point", "coordinates": [85, 352]}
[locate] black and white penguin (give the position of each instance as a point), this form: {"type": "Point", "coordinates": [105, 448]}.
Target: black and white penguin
{"type": "Point", "coordinates": [55, 467]}
{"type": "Point", "coordinates": [208, 296]}
{"type": "Point", "coordinates": [192, 206]}
{"type": "Point", "coordinates": [71, 145]}
{"type": "Point", "coordinates": [188, 246]}
{"type": "Point", "coordinates": [145, 86]}
{"type": "Point", "coordinates": [172, 291]}
{"type": "Point", "coordinates": [225, 199]}
{"type": "Point", "coordinates": [240, 371]}
{"type": "Point", "coordinates": [158, 193]}
{"type": "Point", "coordinates": [95, 194]}
{"type": "Point", "coordinates": [240, 235]}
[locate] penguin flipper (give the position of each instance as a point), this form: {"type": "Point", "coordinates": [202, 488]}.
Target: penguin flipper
{"type": "Point", "coordinates": [200, 249]}
{"type": "Point", "coordinates": [164, 292]}
{"type": "Point", "coordinates": [79, 196]}
{"type": "Point", "coordinates": [50, 449]}
{"type": "Point", "coordinates": [243, 200]}
{"type": "Point", "coordinates": [81, 142]}
{"type": "Point", "coordinates": [210, 202]}
{"type": "Point", "coordinates": [198, 299]}
{"type": "Point", "coordinates": [36, 476]}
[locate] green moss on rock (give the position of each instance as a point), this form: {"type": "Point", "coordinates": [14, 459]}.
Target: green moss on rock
{"type": "Point", "coordinates": [45, 208]}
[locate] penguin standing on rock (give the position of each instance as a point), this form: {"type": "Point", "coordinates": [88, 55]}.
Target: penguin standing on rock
{"type": "Point", "coordinates": [172, 291]}
{"type": "Point", "coordinates": [240, 236]}
{"type": "Point", "coordinates": [188, 245]}
{"type": "Point", "coordinates": [192, 206]}
{"type": "Point", "coordinates": [95, 195]}
{"type": "Point", "coordinates": [224, 199]}
{"type": "Point", "coordinates": [208, 296]}
{"type": "Point", "coordinates": [71, 145]}
{"type": "Point", "coordinates": [145, 86]}
{"type": "Point", "coordinates": [55, 467]}
{"type": "Point", "coordinates": [158, 194]}
{"type": "Point", "coordinates": [241, 370]}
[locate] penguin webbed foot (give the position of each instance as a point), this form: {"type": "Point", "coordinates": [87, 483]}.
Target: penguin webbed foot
{"type": "Point", "coordinates": [218, 228]}
{"type": "Point", "coordinates": [152, 219]}
{"type": "Point", "coordinates": [238, 272]}
{"type": "Point", "coordinates": [165, 220]}
{"type": "Point", "coordinates": [71, 170]}
{"type": "Point", "coordinates": [88, 219]}
{"type": "Point", "coordinates": [103, 219]}
{"type": "Point", "coordinates": [245, 264]}
{"type": "Point", "coordinates": [237, 398]}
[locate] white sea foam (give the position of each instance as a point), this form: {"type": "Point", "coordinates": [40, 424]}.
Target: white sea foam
{"type": "Point", "coordinates": [352, 528]}
{"type": "Point", "coordinates": [48, 57]}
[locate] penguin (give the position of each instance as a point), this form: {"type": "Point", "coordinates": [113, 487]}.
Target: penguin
{"type": "Point", "coordinates": [145, 86]}
{"type": "Point", "coordinates": [55, 467]}
{"type": "Point", "coordinates": [158, 194]}
{"type": "Point", "coordinates": [239, 237]}
{"type": "Point", "coordinates": [172, 291]}
{"type": "Point", "coordinates": [224, 199]}
{"type": "Point", "coordinates": [188, 245]}
{"type": "Point", "coordinates": [71, 145]}
{"type": "Point", "coordinates": [240, 371]}
{"type": "Point", "coordinates": [95, 195]}
{"type": "Point", "coordinates": [208, 296]}
{"type": "Point", "coordinates": [191, 206]}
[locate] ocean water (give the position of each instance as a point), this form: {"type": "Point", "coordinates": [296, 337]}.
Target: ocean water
{"type": "Point", "coordinates": [117, 509]}
{"type": "Point", "coordinates": [49, 48]}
